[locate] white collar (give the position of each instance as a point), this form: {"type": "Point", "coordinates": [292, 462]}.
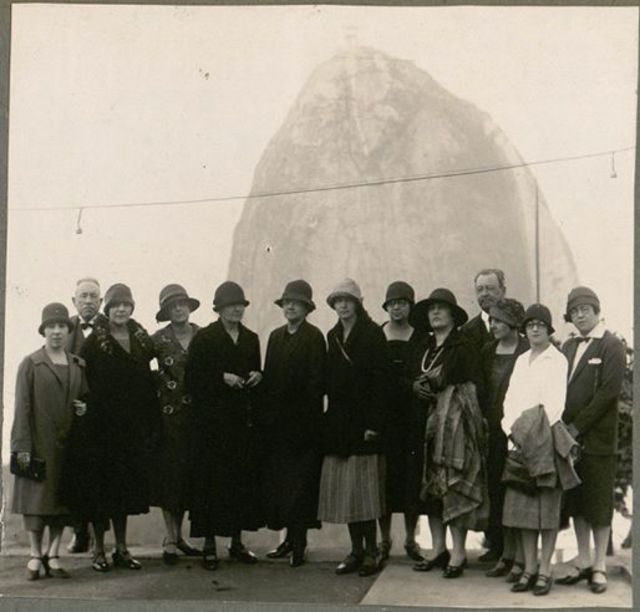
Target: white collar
{"type": "Point", "coordinates": [485, 318]}
{"type": "Point", "coordinates": [546, 354]}
{"type": "Point", "coordinates": [597, 332]}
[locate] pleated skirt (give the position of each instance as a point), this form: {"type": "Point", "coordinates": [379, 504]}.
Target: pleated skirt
{"type": "Point", "coordinates": [352, 489]}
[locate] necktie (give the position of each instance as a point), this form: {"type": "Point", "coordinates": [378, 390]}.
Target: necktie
{"type": "Point", "coordinates": [85, 325]}
{"type": "Point", "coordinates": [583, 339]}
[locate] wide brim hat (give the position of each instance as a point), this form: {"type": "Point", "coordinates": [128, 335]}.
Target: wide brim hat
{"type": "Point", "coordinates": [399, 290]}
{"type": "Point", "coordinates": [170, 294]}
{"type": "Point", "coordinates": [345, 288]}
{"type": "Point", "coordinates": [539, 312]}
{"type": "Point", "coordinates": [419, 317]}
{"type": "Point", "coordinates": [116, 294]}
{"type": "Point", "coordinates": [580, 296]}
{"type": "Point", "coordinates": [299, 290]}
{"type": "Point", "coordinates": [55, 313]}
{"type": "Point", "coordinates": [228, 294]}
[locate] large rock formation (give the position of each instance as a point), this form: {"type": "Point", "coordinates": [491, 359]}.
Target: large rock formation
{"type": "Point", "coordinates": [364, 116]}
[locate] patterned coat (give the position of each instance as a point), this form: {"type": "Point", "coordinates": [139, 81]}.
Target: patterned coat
{"type": "Point", "coordinates": [171, 480]}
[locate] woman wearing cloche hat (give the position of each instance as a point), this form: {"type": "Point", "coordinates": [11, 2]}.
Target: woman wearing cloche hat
{"type": "Point", "coordinates": [222, 375]}
{"type": "Point", "coordinates": [171, 477]}
{"type": "Point", "coordinates": [294, 386]}
{"type": "Point", "coordinates": [352, 484]}
{"type": "Point", "coordinates": [534, 401]}
{"type": "Point", "coordinates": [401, 340]}
{"type": "Point", "coordinates": [118, 355]}
{"type": "Point", "coordinates": [447, 380]}
{"type": "Point", "coordinates": [49, 386]}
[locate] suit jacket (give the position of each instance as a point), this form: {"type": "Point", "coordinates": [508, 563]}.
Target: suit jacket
{"type": "Point", "coordinates": [592, 393]}
{"type": "Point", "coordinates": [76, 338]}
{"type": "Point", "coordinates": [476, 332]}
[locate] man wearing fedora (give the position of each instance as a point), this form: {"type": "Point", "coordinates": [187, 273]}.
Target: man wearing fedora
{"type": "Point", "coordinates": [294, 387]}
{"type": "Point", "coordinates": [87, 301]}
{"type": "Point", "coordinates": [596, 371]}
{"type": "Point", "coordinates": [490, 288]}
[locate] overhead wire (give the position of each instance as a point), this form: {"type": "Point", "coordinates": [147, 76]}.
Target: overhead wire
{"type": "Point", "coordinates": [334, 187]}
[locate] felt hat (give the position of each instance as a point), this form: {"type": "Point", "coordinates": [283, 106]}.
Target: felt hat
{"type": "Point", "coordinates": [581, 296]}
{"type": "Point", "coordinates": [419, 317]}
{"type": "Point", "coordinates": [116, 294]}
{"type": "Point", "coordinates": [399, 290]}
{"type": "Point", "coordinates": [539, 312]}
{"type": "Point", "coordinates": [170, 294]}
{"type": "Point", "coordinates": [299, 290]}
{"type": "Point", "coordinates": [508, 311]}
{"type": "Point", "coordinates": [54, 313]}
{"type": "Point", "coordinates": [228, 293]}
{"type": "Point", "coordinates": [345, 288]}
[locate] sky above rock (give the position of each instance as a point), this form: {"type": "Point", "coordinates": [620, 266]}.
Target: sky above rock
{"type": "Point", "coordinates": [141, 104]}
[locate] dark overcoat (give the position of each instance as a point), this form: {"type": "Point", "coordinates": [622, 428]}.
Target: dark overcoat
{"type": "Point", "coordinates": [226, 474]}
{"type": "Point", "coordinates": [42, 421]}
{"type": "Point", "coordinates": [397, 429]}
{"type": "Point", "coordinates": [294, 387]}
{"type": "Point", "coordinates": [477, 332]}
{"type": "Point", "coordinates": [460, 363]}
{"type": "Point", "coordinates": [358, 389]}
{"type": "Point", "coordinates": [171, 478]}
{"type": "Point", "coordinates": [123, 396]}
{"type": "Point", "coordinates": [495, 397]}
{"type": "Point", "coordinates": [593, 392]}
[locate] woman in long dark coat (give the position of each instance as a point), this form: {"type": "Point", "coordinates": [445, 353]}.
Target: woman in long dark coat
{"type": "Point", "coordinates": [443, 361]}
{"type": "Point", "coordinates": [118, 356]}
{"type": "Point", "coordinates": [401, 340]}
{"type": "Point", "coordinates": [294, 388]}
{"type": "Point", "coordinates": [171, 476]}
{"type": "Point", "coordinates": [49, 386]}
{"type": "Point", "coordinates": [222, 373]}
{"type": "Point", "coordinates": [498, 359]}
{"type": "Point", "coordinates": [352, 484]}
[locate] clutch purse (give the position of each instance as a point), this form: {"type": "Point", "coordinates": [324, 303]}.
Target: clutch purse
{"type": "Point", "coordinates": [36, 470]}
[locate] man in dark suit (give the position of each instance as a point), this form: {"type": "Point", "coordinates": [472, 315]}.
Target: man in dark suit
{"type": "Point", "coordinates": [490, 289]}
{"type": "Point", "coordinates": [87, 301]}
{"type": "Point", "coordinates": [596, 371]}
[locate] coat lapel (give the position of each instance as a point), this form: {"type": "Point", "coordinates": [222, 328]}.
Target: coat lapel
{"type": "Point", "coordinates": [591, 350]}
{"type": "Point", "coordinates": [44, 359]}
{"type": "Point", "coordinates": [74, 373]}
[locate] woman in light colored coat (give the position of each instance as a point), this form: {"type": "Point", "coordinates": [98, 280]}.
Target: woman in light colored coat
{"type": "Point", "coordinates": [49, 384]}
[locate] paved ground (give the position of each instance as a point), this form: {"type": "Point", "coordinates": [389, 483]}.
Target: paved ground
{"type": "Point", "coordinates": [274, 581]}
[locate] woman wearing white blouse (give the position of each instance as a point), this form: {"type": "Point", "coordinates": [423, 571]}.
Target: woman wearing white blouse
{"type": "Point", "coordinates": [539, 378]}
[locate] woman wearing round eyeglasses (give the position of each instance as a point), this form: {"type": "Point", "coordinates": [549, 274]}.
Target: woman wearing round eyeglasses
{"type": "Point", "coordinates": [534, 401]}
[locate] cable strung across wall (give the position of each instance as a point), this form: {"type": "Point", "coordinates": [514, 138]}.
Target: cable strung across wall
{"type": "Point", "coordinates": [375, 183]}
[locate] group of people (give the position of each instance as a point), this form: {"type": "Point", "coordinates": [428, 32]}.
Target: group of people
{"type": "Point", "coordinates": [481, 424]}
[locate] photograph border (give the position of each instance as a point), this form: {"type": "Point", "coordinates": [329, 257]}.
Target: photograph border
{"type": "Point", "coordinates": [59, 605]}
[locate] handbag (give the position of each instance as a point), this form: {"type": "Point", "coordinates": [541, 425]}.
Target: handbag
{"type": "Point", "coordinates": [36, 470]}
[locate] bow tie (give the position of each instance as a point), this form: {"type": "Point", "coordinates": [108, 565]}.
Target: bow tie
{"type": "Point", "coordinates": [583, 339]}
{"type": "Point", "coordinates": [86, 325]}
